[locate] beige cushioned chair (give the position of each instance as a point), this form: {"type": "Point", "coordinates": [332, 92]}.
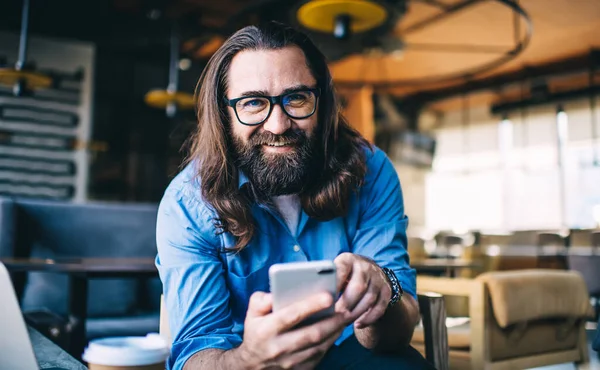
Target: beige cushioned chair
{"type": "Point", "coordinates": [517, 319]}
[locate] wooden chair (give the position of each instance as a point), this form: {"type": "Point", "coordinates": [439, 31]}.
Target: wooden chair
{"type": "Point", "coordinates": [552, 250]}
{"type": "Point", "coordinates": [433, 314]}
{"type": "Point", "coordinates": [517, 319]}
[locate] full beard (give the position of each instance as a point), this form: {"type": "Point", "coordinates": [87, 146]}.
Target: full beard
{"type": "Point", "coordinates": [274, 174]}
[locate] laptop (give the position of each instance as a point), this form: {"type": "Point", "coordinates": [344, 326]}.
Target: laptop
{"type": "Point", "coordinates": [16, 351]}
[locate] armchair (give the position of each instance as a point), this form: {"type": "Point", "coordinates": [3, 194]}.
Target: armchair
{"type": "Point", "coordinates": [517, 319]}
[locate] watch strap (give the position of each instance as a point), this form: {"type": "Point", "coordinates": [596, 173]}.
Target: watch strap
{"type": "Point", "coordinates": [394, 285]}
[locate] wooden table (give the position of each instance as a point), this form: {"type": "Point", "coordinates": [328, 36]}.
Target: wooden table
{"type": "Point", "coordinates": [80, 271]}
{"type": "Point", "coordinates": [443, 265]}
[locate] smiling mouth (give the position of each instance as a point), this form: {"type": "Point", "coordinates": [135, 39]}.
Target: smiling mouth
{"type": "Point", "coordinates": [280, 144]}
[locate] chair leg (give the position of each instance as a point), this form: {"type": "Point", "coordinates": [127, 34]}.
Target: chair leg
{"type": "Point", "coordinates": [583, 346]}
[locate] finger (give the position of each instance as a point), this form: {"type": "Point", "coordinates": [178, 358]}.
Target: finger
{"type": "Point", "coordinates": [305, 359]}
{"type": "Point", "coordinates": [355, 290]}
{"type": "Point", "coordinates": [373, 314]}
{"type": "Point", "coordinates": [294, 314]}
{"type": "Point", "coordinates": [315, 348]}
{"type": "Point", "coordinates": [368, 300]}
{"type": "Point", "coordinates": [308, 358]}
{"type": "Point", "coordinates": [260, 304]}
{"type": "Point", "coordinates": [377, 307]}
{"type": "Point", "coordinates": [314, 334]}
{"type": "Point", "coordinates": [343, 266]}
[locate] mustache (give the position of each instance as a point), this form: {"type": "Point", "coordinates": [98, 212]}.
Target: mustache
{"type": "Point", "coordinates": [265, 137]}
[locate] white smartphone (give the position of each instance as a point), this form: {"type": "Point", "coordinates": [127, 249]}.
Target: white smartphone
{"type": "Point", "coordinates": [294, 281]}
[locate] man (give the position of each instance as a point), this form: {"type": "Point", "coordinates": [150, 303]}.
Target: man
{"type": "Point", "coordinates": [277, 175]}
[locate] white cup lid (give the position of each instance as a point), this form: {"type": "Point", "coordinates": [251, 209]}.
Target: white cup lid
{"type": "Point", "coordinates": [127, 351]}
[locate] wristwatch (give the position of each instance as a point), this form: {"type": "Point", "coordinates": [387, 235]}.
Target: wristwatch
{"type": "Point", "coordinates": [397, 291]}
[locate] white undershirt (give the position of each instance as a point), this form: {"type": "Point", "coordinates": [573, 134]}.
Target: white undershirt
{"type": "Point", "coordinates": [289, 207]}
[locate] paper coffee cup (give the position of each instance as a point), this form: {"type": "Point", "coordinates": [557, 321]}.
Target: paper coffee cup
{"type": "Point", "coordinates": [127, 353]}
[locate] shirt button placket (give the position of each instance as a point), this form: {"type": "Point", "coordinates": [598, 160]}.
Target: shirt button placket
{"type": "Point", "coordinates": [298, 254]}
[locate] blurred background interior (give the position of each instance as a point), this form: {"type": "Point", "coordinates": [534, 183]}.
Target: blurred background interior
{"type": "Point", "coordinates": [487, 108]}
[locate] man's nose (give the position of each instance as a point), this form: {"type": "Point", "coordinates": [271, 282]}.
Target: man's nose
{"type": "Point", "coordinates": [278, 122]}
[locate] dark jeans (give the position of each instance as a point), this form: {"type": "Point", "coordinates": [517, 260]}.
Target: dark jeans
{"type": "Point", "coordinates": [351, 355]}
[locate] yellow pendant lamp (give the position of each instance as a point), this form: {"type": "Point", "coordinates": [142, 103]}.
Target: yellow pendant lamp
{"type": "Point", "coordinates": [22, 77]}
{"type": "Point", "coordinates": [163, 98]}
{"type": "Point", "coordinates": [341, 17]}
{"type": "Point", "coordinates": [171, 99]}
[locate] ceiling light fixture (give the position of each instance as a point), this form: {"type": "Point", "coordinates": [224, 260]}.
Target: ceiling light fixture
{"type": "Point", "coordinates": [171, 99]}
{"type": "Point", "coordinates": [22, 77]}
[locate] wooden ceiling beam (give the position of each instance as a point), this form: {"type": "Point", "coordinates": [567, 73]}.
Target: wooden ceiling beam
{"type": "Point", "coordinates": [555, 68]}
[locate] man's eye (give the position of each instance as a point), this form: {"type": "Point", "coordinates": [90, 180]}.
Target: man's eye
{"type": "Point", "coordinates": [296, 98]}
{"type": "Point", "coordinates": [252, 104]}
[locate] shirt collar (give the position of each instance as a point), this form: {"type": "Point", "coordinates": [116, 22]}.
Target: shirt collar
{"type": "Point", "coordinates": [242, 179]}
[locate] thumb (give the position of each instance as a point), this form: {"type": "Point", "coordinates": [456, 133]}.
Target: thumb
{"type": "Point", "coordinates": [260, 304]}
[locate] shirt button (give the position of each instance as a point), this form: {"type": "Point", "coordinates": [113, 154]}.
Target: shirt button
{"type": "Point", "coordinates": [296, 248]}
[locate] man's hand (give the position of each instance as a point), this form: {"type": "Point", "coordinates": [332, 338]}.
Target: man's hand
{"type": "Point", "coordinates": [270, 340]}
{"type": "Point", "coordinates": [366, 290]}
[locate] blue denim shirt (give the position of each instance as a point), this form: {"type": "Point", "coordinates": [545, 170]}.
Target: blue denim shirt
{"type": "Point", "coordinates": [207, 291]}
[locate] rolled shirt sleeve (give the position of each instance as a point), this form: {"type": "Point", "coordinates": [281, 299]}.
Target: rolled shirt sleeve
{"type": "Point", "coordinates": [381, 231]}
{"type": "Point", "coordinates": [194, 285]}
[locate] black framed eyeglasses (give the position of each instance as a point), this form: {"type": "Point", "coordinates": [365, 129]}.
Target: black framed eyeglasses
{"type": "Point", "coordinates": [254, 110]}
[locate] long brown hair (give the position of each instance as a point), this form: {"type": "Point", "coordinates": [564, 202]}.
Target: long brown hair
{"type": "Point", "coordinates": [343, 148]}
